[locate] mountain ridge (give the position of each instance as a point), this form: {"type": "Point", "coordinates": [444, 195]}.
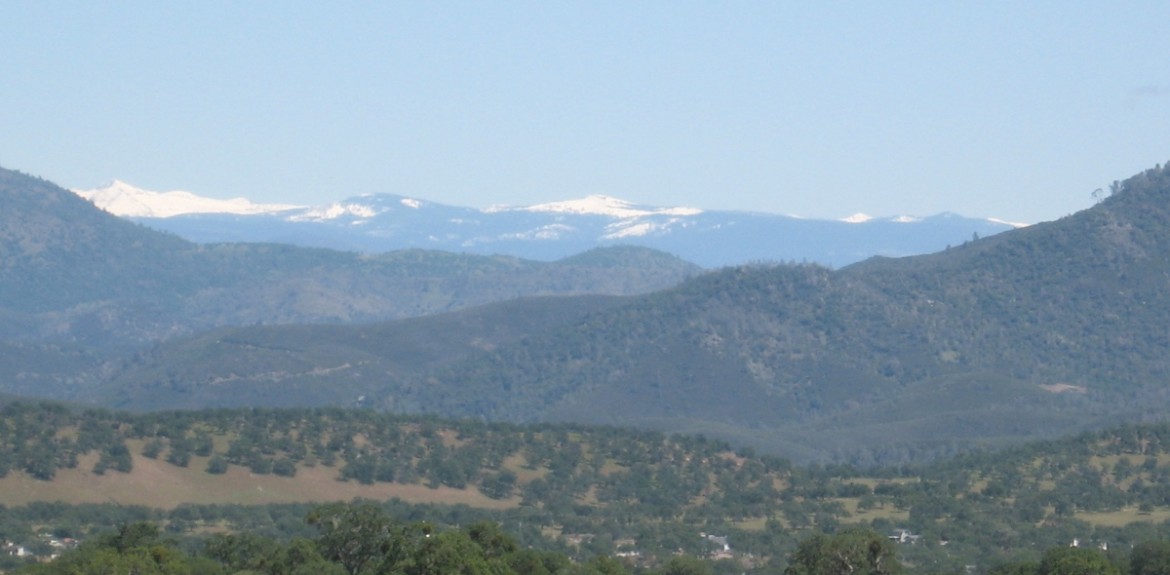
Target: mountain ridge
{"type": "Point", "coordinates": [126, 200]}
{"type": "Point", "coordinates": [80, 287]}
{"type": "Point", "coordinates": [182, 202]}
{"type": "Point", "coordinates": [886, 358]}
{"type": "Point", "coordinates": [551, 230]}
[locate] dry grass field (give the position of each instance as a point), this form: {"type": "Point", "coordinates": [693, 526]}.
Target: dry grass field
{"type": "Point", "coordinates": [157, 484]}
{"type": "Point", "coordinates": [1124, 517]}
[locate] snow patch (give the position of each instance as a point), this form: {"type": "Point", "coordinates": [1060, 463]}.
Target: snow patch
{"type": "Point", "coordinates": [411, 203]}
{"type": "Point", "coordinates": [907, 219]}
{"type": "Point", "coordinates": [858, 218]}
{"type": "Point", "coordinates": [600, 205]}
{"type": "Point", "coordinates": [1064, 388]}
{"type": "Point", "coordinates": [634, 227]}
{"type": "Point", "coordinates": [549, 232]}
{"type": "Point", "coordinates": [631, 231]}
{"type": "Point", "coordinates": [334, 211]}
{"type": "Point", "coordinates": [125, 200]}
{"type": "Point", "coordinates": [1007, 223]}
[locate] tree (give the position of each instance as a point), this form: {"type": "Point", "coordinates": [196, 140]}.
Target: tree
{"type": "Point", "coordinates": [1076, 561]}
{"type": "Point", "coordinates": [354, 535]}
{"type": "Point", "coordinates": [534, 562]}
{"type": "Point", "coordinates": [605, 565]}
{"type": "Point", "coordinates": [140, 534]}
{"type": "Point", "coordinates": [304, 558]}
{"type": "Point", "coordinates": [243, 552]}
{"type": "Point", "coordinates": [152, 449]}
{"type": "Point", "coordinates": [451, 553]}
{"type": "Point", "coordinates": [852, 551]}
{"type": "Point", "coordinates": [491, 539]}
{"type": "Point", "coordinates": [217, 465]}
{"type": "Point", "coordinates": [682, 565]}
{"type": "Point", "coordinates": [284, 467]}
{"type": "Point", "coordinates": [1016, 568]}
{"type": "Point", "coordinates": [157, 560]}
{"type": "Point", "coordinates": [498, 485]}
{"type": "Point", "coordinates": [1150, 558]}
{"type": "Point", "coordinates": [134, 548]}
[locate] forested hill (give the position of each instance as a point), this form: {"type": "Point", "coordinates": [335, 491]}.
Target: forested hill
{"type": "Point", "coordinates": [1031, 333]}
{"type": "Point", "coordinates": [77, 284]}
{"type": "Point", "coordinates": [317, 365]}
{"type": "Point", "coordinates": [59, 252]}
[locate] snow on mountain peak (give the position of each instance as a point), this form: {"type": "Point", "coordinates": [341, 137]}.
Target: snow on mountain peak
{"type": "Point", "coordinates": [600, 205]}
{"type": "Point", "coordinates": [125, 200]}
{"type": "Point", "coordinates": [858, 218]}
{"type": "Point", "coordinates": [334, 211]}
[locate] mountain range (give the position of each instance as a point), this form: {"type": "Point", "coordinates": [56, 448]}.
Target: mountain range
{"type": "Point", "coordinates": [374, 223]}
{"type": "Point", "coordinates": [80, 287]}
{"type": "Point", "coordinates": [1034, 332]}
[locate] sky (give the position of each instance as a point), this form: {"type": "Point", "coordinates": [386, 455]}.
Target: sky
{"type": "Point", "coordinates": [1005, 109]}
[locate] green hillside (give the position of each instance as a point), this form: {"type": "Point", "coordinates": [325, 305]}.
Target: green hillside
{"type": "Point", "coordinates": [582, 490]}
{"type": "Point", "coordinates": [61, 256]}
{"type": "Point", "coordinates": [319, 365]}
{"type": "Point", "coordinates": [1031, 333]}
{"type": "Point", "coordinates": [1034, 333]}
{"type": "Point", "coordinates": [79, 287]}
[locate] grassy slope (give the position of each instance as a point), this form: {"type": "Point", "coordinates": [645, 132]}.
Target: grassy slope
{"type": "Point", "coordinates": [155, 483]}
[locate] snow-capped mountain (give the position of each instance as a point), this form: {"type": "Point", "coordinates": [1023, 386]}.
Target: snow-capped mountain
{"type": "Point", "coordinates": [386, 222]}
{"type": "Point", "coordinates": [122, 199]}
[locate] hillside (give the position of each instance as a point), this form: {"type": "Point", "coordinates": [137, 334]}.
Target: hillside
{"type": "Point", "coordinates": [78, 286]}
{"type": "Point", "coordinates": [569, 487]}
{"type": "Point", "coordinates": [975, 342]}
{"type": "Point", "coordinates": [60, 254]}
{"type": "Point", "coordinates": [306, 366]}
{"type": "Point", "coordinates": [1031, 333]}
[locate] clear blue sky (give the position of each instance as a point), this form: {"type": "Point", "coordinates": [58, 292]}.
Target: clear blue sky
{"type": "Point", "coordinates": [1016, 110]}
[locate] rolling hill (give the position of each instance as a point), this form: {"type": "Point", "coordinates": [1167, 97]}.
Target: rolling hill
{"type": "Point", "coordinates": [574, 487]}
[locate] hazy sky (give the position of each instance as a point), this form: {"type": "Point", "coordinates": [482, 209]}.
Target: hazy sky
{"type": "Point", "coordinates": [1016, 110]}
